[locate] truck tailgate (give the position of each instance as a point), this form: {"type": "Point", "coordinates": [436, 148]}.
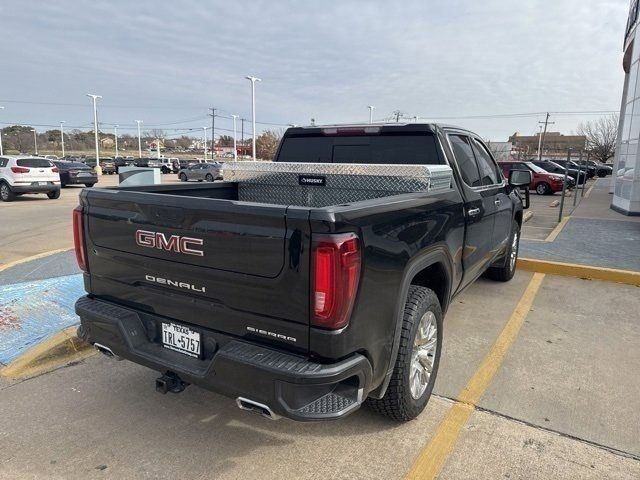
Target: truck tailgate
{"type": "Point", "coordinates": [225, 265]}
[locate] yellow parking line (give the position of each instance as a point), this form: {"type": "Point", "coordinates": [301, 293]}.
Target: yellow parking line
{"type": "Point", "coordinates": [433, 456]}
{"type": "Point", "coordinates": [629, 277]}
{"type": "Point", "coordinates": [556, 231]}
{"type": "Point", "coordinates": [4, 266]}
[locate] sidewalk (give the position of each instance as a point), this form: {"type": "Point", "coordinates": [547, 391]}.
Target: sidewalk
{"type": "Point", "coordinates": [594, 235]}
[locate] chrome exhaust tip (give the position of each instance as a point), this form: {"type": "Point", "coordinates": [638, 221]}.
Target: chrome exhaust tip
{"type": "Point", "coordinates": [255, 407]}
{"type": "Point", "coordinates": [106, 351]}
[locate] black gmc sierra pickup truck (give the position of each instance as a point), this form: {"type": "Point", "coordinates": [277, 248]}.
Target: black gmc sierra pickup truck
{"type": "Point", "coordinates": [305, 286]}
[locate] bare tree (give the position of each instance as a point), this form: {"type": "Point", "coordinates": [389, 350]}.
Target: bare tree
{"type": "Point", "coordinates": [267, 144]}
{"type": "Point", "coordinates": [601, 136]}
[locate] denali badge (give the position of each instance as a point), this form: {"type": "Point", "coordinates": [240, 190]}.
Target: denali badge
{"type": "Point", "coordinates": [174, 243]}
{"type": "Point", "coordinates": [172, 283]}
{"type": "Point", "coordinates": [279, 336]}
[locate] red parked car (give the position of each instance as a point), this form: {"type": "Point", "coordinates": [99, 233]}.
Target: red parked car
{"type": "Point", "coordinates": [543, 182]}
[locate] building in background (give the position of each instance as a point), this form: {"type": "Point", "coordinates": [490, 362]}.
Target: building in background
{"type": "Point", "coordinates": [626, 177]}
{"type": "Point", "coordinates": [555, 144]}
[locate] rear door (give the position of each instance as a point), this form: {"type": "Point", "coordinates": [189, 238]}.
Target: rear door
{"type": "Point", "coordinates": [479, 209]}
{"type": "Point", "coordinates": [495, 185]}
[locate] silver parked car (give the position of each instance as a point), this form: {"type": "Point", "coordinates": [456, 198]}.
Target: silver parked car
{"type": "Point", "coordinates": [200, 172]}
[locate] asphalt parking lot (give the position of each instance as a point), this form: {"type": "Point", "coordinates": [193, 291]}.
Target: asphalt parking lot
{"type": "Point", "coordinates": [33, 224]}
{"type": "Point", "coordinates": [562, 403]}
{"type": "Point", "coordinates": [538, 380]}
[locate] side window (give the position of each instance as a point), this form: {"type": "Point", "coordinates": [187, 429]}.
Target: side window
{"type": "Point", "coordinates": [465, 160]}
{"type": "Point", "coordinates": [488, 170]}
{"type": "Point", "coordinates": [3, 162]}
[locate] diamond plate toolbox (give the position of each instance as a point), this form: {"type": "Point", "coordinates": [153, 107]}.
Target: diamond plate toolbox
{"type": "Point", "coordinates": [324, 184]}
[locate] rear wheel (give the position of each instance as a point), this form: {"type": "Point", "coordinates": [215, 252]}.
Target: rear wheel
{"type": "Point", "coordinates": [53, 195]}
{"type": "Point", "coordinates": [505, 272]}
{"type": "Point", "coordinates": [209, 177]}
{"type": "Point", "coordinates": [6, 194]}
{"type": "Point", "coordinates": [182, 177]}
{"type": "Point", "coordinates": [543, 188]}
{"type": "Point", "coordinates": [416, 366]}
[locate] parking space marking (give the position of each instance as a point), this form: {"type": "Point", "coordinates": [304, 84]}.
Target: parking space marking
{"type": "Point", "coordinates": [4, 266]}
{"type": "Point", "coordinates": [431, 459]}
{"type": "Point", "coordinates": [556, 231]}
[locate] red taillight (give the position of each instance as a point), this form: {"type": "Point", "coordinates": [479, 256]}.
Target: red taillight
{"type": "Point", "coordinates": [20, 170]}
{"type": "Point", "coordinates": [335, 277]}
{"type": "Point", "coordinates": [78, 238]}
{"type": "Point", "coordinates": [55, 170]}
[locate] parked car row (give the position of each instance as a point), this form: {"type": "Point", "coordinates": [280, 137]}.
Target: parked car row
{"type": "Point", "coordinates": [548, 176]}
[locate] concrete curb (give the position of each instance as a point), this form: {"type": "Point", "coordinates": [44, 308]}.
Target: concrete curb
{"type": "Point", "coordinates": [55, 351]}
{"type": "Point", "coordinates": [528, 215]}
{"type": "Point", "coordinates": [628, 277]}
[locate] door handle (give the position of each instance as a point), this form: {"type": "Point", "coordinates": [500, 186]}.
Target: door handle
{"type": "Point", "coordinates": [497, 201]}
{"type": "Point", "coordinates": [472, 212]}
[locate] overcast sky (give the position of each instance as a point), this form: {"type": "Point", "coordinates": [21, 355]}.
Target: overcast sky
{"type": "Point", "coordinates": [167, 62]}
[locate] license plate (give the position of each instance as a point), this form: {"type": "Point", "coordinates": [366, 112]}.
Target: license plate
{"type": "Point", "coordinates": [84, 174]}
{"type": "Point", "coordinates": [42, 183]}
{"type": "Point", "coordinates": [181, 339]}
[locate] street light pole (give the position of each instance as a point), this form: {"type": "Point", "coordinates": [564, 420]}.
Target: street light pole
{"type": "Point", "coordinates": [115, 137]}
{"type": "Point", "coordinates": [235, 146]}
{"type": "Point", "coordinates": [253, 81]}
{"type": "Point", "coordinates": [139, 139]}
{"type": "Point", "coordinates": [95, 124]}
{"type": "Point", "coordinates": [35, 140]}
{"type": "Point", "coordinates": [371, 109]}
{"type": "Point", "coordinates": [1, 150]}
{"type": "Point", "coordinates": [204, 130]}
{"type": "Point", "coordinates": [62, 135]}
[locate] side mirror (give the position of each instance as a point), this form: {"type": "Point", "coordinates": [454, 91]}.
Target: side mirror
{"type": "Point", "coordinates": [522, 179]}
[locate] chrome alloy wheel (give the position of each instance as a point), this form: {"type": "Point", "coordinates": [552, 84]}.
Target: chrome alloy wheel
{"type": "Point", "coordinates": [423, 354]}
{"type": "Point", "coordinates": [4, 191]}
{"type": "Point", "coordinates": [513, 255]}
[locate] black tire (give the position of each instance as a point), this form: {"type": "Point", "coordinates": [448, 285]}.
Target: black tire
{"type": "Point", "coordinates": [504, 273]}
{"type": "Point", "coordinates": [89, 185]}
{"type": "Point", "coordinates": [54, 195]}
{"type": "Point", "coordinates": [398, 403]}
{"type": "Point", "coordinates": [209, 177]}
{"type": "Point", "coordinates": [543, 188]}
{"type": "Point", "coordinates": [182, 177]}
{"type": "Point", "coordinates": [602, 173]}
{"type": "Point", "coordinates": [6, 194]}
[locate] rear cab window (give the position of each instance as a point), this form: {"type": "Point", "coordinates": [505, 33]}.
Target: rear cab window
{"type": "Point", "coordinates": [403, 148]}
{"type": "Point", "coordinates": [34, 163]}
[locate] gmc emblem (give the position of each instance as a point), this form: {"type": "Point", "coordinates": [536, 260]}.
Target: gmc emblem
{"type": "Point", "coordinates": [174, 243]}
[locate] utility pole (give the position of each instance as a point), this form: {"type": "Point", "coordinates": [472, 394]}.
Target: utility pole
{"type": "Point", "coordinates": [204, 130]}
{"type": "Point", "coordinates": [253, 81]}
{"type": "Point", "coordinates": [62, 135]}
{"type": "Point", "coordinates": [371, 109]}
{"type": "Point", "coordinates": [213, 131]}
{"type": "Point", "coordinates": [35, 140]}
{"type": "Point", "coordinates": [1, 151]}
{"type": "Point", "coordinates": [139, 139]}
{"type": "Point", "coordinates": [95, 124]}
{"type": "Point", "coordinates": [544, 133]}
{"type": "Point", "coordinates": [235, 146]}
{"type": "Point", "coordinates": [539, 139]}
{"type": "Point", "coordinates": [115, 136]}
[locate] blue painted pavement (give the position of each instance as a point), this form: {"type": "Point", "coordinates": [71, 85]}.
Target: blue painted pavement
{"type": "Point", "coordinates": [33, 311]}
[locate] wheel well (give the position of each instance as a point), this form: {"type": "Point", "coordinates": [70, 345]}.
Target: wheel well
{"type": "Point", "coordinates": [435, 278]}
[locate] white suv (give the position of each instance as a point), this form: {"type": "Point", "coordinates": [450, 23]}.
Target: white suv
{"type": "Point", "coordinates": [20, 175]}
